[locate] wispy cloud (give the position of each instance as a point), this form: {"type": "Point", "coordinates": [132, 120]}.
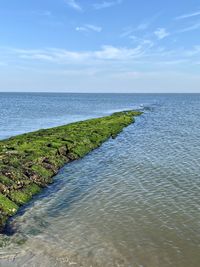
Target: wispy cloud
{"type": "Point", "coordinates": [194, 51]}
{"type": "Point", "coordinates": [190, 15]}
{"type": "Point", "coordinates": [117, 67]}
{"type": "Point", "coordinates": [106, 4]}
{"type": "Point", "coordinates": [109, 52]}
{"type": "Point", "coordinates": [88, 28]}
{"type": "Point", "coordinates": [193, 27]}
{"type": "Point", "coordinates": [74, 4]}
{"type": "Point", "coordinates": [106, 57]}
{"type": "Point", "coordinates": [141, 41]}
{"type": "Point", "coordinates": [161, 33]}
{"type": "Point", "coordinates": [141, 27]}
{"type": "Point", "coordinates": [62, 56]}
{"type": "Point", "coordinates": [172, 62]}
{"type": "Point", "coordinates": [129, 31]}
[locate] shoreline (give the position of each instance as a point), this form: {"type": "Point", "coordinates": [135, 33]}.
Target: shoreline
{"type": "Point", "coordinates": [28, 162]}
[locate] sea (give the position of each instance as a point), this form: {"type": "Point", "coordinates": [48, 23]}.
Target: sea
{"type": "Point", "coordinates": [133, 202]}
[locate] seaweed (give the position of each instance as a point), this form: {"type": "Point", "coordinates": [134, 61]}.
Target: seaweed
{"type": "Point", "coordinates": [29, 161]}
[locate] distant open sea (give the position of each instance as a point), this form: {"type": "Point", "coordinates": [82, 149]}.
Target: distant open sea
{"type": "Point", "coordinates": [133, 202]}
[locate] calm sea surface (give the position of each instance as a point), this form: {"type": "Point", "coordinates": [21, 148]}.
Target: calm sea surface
{"type": "Point", "coordinates": [134, 202]}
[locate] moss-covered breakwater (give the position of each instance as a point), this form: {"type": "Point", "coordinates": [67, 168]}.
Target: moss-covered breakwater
{"type": "Point", "coordinates": [29, 161]}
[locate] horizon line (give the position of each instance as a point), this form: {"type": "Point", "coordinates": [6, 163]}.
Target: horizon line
{"type": "Point", "coordinates": [62, 92]}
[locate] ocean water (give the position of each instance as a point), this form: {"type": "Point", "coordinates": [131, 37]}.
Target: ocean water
{"type": "Point", "coordinates": [133, 202]}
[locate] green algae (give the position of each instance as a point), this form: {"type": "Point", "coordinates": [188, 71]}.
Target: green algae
{"type": "Point", "coordinates": [7, 206]}
{"type": "Point", "coordinates": [29, 161]}
{"type": "Point", "coordinates": [24, 195]}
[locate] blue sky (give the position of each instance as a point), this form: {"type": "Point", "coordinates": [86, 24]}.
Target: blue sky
{"type": "Point", "coordinates": [100, 45]}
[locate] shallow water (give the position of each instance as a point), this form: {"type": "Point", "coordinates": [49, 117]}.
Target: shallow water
{"type": "Point", "coordinates": [132, 202]}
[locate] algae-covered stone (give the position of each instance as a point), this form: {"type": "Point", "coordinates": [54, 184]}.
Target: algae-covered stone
{"type": "Point", "coordinates": [5, 180]}
{"type": "Point", "coordinates": [7, 206]}
{"type": "Point", "coordinates": [24, 195]}
{"type": "Point", "coordinates": [29, 161]}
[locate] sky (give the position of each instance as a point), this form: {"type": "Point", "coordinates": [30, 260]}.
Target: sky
{"type": "Point", "coordinates": [121, 46]}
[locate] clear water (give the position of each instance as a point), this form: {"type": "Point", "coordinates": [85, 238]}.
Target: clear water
{"type": "Point", "coordinates": [134, 202]}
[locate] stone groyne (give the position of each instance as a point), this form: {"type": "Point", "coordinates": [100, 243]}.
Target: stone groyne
{"type": "Point", "coordinates": [29, 161]}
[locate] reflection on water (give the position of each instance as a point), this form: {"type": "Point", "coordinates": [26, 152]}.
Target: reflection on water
{"type": "Point", "coordinates": [132, 202]}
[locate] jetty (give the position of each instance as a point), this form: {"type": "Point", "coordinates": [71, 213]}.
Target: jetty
{"type": "Point", "coordinates": [29, 161]}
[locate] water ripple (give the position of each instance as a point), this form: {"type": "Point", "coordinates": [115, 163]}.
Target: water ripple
{"type": "Point", "coordinates": [133, 202]}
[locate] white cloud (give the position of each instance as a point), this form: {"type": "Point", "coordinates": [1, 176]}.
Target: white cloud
{"type": "Point", "coordinates": [171, 62]}
{"type": "Point", "coordinates": [114, 53]}
{"type": "Point", "coordinates": [106, 4]}
{"type": "Point", "coordinates": [81, 29]}
{"type": "Point", "coordinates": [39, 56]}
{"type": "Point", "coordinates": [63, 56]}
{"type": "Point", "coordinates": [161, 33]}
{"type": "Point", "coordinates": [129, 31]}
{"type": "Point", "coordinates": [193, 27]}
{"type": "Point", "coordinates": [73, 4]}
{"type": "Point", "coordinates": [143, 66]}
{"type": "Point", "coordinates": [108, 57]}
{"type": "Point", "coordinates": [94, 28]}
{"type": "Point", "coordinates": [109, 52]}
{"type": "Point", "coordinates": [190, 15]}
{"type": "Point", "coordinates": [142, 26]}
{"type": "Point", "coordinates": [88, 28]}
{"type": "Point", "coordinates": [193, 52]}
